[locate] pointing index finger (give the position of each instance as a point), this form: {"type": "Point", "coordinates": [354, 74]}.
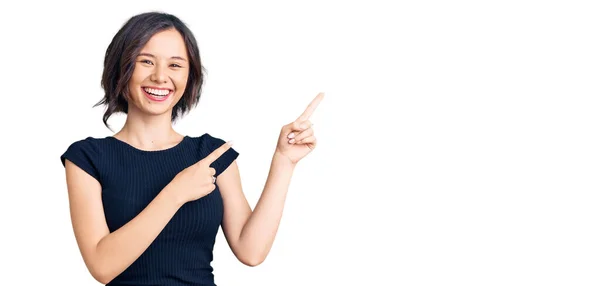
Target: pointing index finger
{"type": "Point", "coordinates": [217, 153]}
{"type": "Point", "coordinates": [311, 107]}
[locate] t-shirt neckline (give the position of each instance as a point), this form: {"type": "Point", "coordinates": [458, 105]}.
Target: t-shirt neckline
{"type": "Point", "coordinates": [185, 137]}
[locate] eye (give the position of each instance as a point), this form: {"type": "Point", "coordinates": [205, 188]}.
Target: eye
{"type": "Point", "coordinates": [175, 65]}
{"type": "Point", "coordinates": [146, 62]}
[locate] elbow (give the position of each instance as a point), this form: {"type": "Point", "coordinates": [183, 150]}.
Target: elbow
{"type": "Point", "coordinates": [252, 260]}
{"type": "Point", "coordinates": [101, 275]}
{"type": "Point", "coordinates": [99, 267]}
{"type": "Point", "coordinates": [103, 280]}
{"type": "Point", "coordinates": [251, 254]}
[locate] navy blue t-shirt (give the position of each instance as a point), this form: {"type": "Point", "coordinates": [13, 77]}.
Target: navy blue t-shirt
{"type": "Point", "coordinates": [131, 178]}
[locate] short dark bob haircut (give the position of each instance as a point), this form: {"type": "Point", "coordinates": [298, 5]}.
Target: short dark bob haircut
{"type": "Point", "coordinates": [126, 45]}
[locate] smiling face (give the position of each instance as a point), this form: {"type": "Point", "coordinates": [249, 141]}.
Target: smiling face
{"type": "Point", "coordinates": [160, 74]}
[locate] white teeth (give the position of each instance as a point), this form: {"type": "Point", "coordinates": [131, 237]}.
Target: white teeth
{"type": "Point", "coordinates": [159, 92]}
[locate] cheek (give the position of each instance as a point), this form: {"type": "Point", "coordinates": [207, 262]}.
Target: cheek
{"type": "Point", "coordinates": [136, 79]}
{"type": "Point", "coordinates": [180, 82]}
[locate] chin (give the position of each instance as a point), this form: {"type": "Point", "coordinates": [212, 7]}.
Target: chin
{"type": "Point", "coordinates": [158, 111]}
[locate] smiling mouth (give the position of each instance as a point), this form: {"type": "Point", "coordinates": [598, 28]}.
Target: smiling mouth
{"type": "Point", "coordinates": [157, 94]}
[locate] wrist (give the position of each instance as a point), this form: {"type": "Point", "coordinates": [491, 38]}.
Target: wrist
{"type": "Point", "coordinates": [171, 194]}
{"type": "Point", "coordinates": [283, 160]}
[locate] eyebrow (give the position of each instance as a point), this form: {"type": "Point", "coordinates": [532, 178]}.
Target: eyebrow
{"type": "Point", "coordinates": [152, 56]}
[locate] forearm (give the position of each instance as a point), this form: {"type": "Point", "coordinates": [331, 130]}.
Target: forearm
{"type": "Point", "coordinates": [118, 250]}
{"type": "Point", "coordinates": [259, 232]}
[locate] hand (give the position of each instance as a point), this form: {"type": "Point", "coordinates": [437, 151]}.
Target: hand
{"type": "Point", "coordinates": [198, 180]}
{"type": "Point", "coordinates": [297, 139]}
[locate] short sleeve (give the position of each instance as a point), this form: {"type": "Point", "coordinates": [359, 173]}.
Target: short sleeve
{"type": "Point", "coordinates": [226, 159]}
{"type": "Point", "coordinates": [85, 155]}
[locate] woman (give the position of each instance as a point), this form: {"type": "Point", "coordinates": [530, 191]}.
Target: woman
{"type": "Point", "coordinates": [147, 202]}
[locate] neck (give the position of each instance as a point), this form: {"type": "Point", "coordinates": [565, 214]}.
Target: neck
{"type": "Point", "coordinates": [148, 131]}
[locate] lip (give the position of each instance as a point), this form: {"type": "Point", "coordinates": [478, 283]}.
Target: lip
{"type": "Point", "coordinates": [156, 98]}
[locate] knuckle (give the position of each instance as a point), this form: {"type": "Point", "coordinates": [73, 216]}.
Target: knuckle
{"type": "Point", "coordinates": [306, 125]}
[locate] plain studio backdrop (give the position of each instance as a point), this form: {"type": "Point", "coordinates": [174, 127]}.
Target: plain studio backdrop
{"type": "Point", "coordinates": [458, 140]}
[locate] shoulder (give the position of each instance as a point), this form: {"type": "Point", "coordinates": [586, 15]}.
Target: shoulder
{"type": "Point", "coordinates": [85, 153]}
{"type": "Point", "coordinates": [87, 145]}
{"type": "Point", "coordinates": [85, 142]}
{"type": "Point", "coordinates": [208, 141]}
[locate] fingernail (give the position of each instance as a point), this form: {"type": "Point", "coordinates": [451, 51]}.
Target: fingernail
{"type": "Point", "coordinates": [230, 143]}
{"type": "Point", "coordinates": [291, 141]}
{"type": "Point", "coordinates": [291, 135]}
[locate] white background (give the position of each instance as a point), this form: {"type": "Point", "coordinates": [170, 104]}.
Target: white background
{"type": "Point", "coordinates": [458, 140]}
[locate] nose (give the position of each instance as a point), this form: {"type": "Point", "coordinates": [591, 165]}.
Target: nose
{"type": "Point", "coordinates": [158, 75]}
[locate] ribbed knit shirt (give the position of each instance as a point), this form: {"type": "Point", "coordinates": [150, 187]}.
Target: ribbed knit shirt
{"type": "Point", "coordinates": [131, 178]}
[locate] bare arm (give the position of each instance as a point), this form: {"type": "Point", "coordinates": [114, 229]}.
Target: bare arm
{"type": "Point", "coordinates": [250, 234]}
{"type": "Point", "coordinates": [105, 254]}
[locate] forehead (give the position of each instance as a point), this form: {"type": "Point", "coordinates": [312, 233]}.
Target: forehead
{"type": "Point", "coordinates": [166, 44]}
